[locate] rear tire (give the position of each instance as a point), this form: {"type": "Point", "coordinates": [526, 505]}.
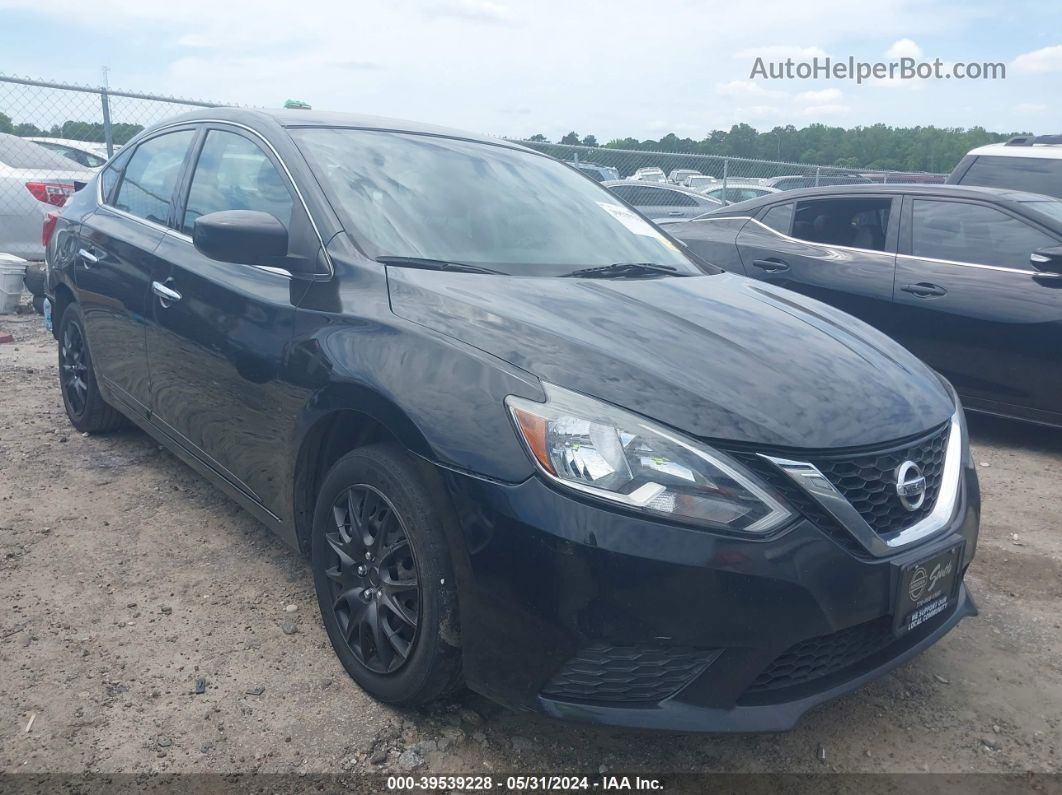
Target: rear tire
{"type": "Point", "coordinates": [85, 406]}
{"type": "Point", "coordinates": [384, 577]}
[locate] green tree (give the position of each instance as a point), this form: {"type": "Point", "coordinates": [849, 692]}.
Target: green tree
{"type": "Point", "coordinates": [539, 138]}
{"type": "Point", "coordinates": [589, 140]}
{"type": "Point", "coordinates": [571, 139]}
{"type": "Point", "coordinates": [5, 123]}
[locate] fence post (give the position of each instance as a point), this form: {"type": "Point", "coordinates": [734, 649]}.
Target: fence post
{"type": "Point", "coordinates": [107, 134]}
{"type": "Point", "coordinates": [726, 170]}
{"type": "Point", "coordinates": [817, 172]}
{"type": "Point", "coordinates": [885, 179]}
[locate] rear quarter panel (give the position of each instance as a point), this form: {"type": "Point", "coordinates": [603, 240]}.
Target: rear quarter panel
{"type": "Point", "coordinates": [713, 240]}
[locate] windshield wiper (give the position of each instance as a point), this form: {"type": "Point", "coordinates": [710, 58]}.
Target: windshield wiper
{"type": "Point", "coordinates": [434, 264]}
{"type": "Point", "coordinates": [620, 270]}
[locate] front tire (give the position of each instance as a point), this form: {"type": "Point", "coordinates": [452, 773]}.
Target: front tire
{"type": "Point", "coordinates": [85, 406]}
{"type": "Point", "coordinates": [384, 578]}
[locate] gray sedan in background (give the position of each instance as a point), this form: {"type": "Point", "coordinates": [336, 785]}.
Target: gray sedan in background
{"type": "Point", "coordinates": [657, 201]}
{"type": "Point", "coordinates": [32, 182]}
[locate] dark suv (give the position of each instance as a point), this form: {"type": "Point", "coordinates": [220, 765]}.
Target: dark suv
{"type": "Point", "coordinates": [526, 442]}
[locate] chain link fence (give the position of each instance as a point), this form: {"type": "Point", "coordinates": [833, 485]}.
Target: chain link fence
{"type": "Point", "coordinates": [725, 178]}
{"type": "Point", "coordinates": [53, 135]}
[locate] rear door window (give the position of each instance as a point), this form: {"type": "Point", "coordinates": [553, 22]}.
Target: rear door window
{"type": "Point", "coordinates": [1032, 174]}
{"type": "Point", "coordinates": [973, 233]}
{"type": "Point", "coordinates": [150, 178]}
{"type": "Point", "coordinates": [850, 222]}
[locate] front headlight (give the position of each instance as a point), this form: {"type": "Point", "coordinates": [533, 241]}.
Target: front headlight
{"type": "Point", "coordinates": [615, 455]}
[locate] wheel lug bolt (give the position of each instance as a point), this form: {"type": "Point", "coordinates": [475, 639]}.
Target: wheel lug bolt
{"type": "Point", "coordinates": [368, 556]}
{"type": "Point", "coordinates": [368, 593]}
{"type": "Point", "coordinates": [362, 570]}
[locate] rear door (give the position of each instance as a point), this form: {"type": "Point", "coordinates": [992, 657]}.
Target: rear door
{"type": "Point", "coordinates": [838, 249]}
{"type": "Point", "coordinates": [221, 329]}
{"type": "Point", "coordinates": [969, 304]}
{"type": "Point", "coordinates": [117, 261]}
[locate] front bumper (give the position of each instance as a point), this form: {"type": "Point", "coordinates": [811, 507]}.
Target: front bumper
{"type": "Point", "coordinates": [555, 589]}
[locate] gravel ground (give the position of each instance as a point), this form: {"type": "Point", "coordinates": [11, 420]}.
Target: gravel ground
{"type": "Point", "coordinates": [125, 578]}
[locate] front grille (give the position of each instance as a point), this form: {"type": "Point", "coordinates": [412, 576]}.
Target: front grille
{"type": "Point", "coordinates": [868, 481]}
{"type": "Point", "coordinates": [819, 657]}
{"type": "Point", "coordinates": [627, 674]}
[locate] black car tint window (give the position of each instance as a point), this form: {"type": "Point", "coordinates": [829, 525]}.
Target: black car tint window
{"type": "Point", "coordinates": [973, 233]}
{"type": "Point", "coordinates": [850, 222]}
{"type": "Point", "coordinates": [780, 218]}
{"type": "Point", "coordinates": [233, 173]}
{"type": "Point", "coordinates": [1032, 174]}
{"type": "Point", "coordinates": [147, 186]}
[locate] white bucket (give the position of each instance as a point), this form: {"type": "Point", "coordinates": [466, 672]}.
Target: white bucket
{"type": "Point", "coordinates": [12, 272]}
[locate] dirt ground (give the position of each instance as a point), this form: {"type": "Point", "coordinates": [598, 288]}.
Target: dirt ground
{"type": "Point", "coordinates": [124, 578]}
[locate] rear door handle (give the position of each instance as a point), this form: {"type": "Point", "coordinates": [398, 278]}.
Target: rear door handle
{"type": "Point", "coordinates": [674, 212]}
{"type": "Point", "coordinates": [770, 265]}
{"type": "Point", "coordinates": [924, 290]}
{"type": "Point", "coordinates": [1049, 278]}
{"type": "Point", "coordinates": [87, 257]}
{"type": "Point", "coordinates": [167, 296]}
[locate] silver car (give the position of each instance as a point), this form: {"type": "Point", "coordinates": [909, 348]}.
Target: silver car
{"type": "Point", "coordinates": [86, 153]}
{"type": "Point", "coordinates": [662, 201]}
{"type": "Point", "coordinates": [32, 182]}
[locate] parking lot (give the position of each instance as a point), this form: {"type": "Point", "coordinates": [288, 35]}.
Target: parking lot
{"type": "Point", "coordinates": [124, 578]}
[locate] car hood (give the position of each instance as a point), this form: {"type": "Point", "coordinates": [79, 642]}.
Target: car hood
{"type": "Point", "coordinates": [719, 357]}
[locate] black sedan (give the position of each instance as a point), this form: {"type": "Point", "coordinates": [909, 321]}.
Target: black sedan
{"type": "Point", "coordinates": [471, 386]}
{"type": "Point", "coordinates": [967, 278]}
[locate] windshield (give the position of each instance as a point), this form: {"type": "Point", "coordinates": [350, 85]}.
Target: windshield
{"type": "Point", "coordinates": [411, 195]}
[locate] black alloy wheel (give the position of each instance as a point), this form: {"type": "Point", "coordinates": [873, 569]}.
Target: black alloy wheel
{"type": "Point", "coordinates": [73, 368]}
{"type": "Point", "coordinates": [375, 582]}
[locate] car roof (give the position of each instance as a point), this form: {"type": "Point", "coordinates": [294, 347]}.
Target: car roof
{"type": "Point", "coordinates": [291, 118]}
{"type": "Point", "coordinates": [914, 189]}
{"type": "Point", "coordinates": [1049, 151]}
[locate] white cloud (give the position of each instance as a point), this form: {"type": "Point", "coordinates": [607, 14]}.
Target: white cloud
{"type": "Point", "coordinates": [1047, 59]}
{"type": "Point", "coordinates": [754, 112]}
{"type": "Point", "coordinates": [1030, 107]}
{"type": "Point", "coordinates": [824, 97]}
{"type": "Point", "coordinates": [745, 88]}
{"type": "Point", "coordinates": [903, 48]}
{"type": "Point", "coordinates": [818, 111]}
{"type": "Point", "coordinates": [475, 10]}
{"type": "Point", "coordinates": [780, 52]}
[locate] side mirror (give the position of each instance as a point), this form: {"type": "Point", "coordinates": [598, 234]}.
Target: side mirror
{"type": "Point", "coordinates": [248, 237]}
{"type": "Point", "coordinates": [1048, 259]}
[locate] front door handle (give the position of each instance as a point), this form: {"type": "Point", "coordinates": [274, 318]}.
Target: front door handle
{"type": "Point", "coordinates": [167, 296]}
{"type": "Point", "coordinates": [924, 290]}
{"type": "Point", "coordinates": [674, 212]}
{"type": "Point", "coordinates": [770, 265]}
{"type": "Point", "coordinates": [87, 257]}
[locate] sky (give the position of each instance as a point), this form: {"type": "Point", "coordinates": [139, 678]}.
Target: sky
{"type": "Point", "coordinates": [613, 69]}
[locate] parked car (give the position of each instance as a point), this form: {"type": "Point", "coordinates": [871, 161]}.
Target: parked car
{"type": "Point", "coordinates": [678, 176]}
{"type": "Point", "coordinates": [485, 417]}
{"type": "Point", "coordinates": [738, 191]}
{"type": "Point", "coordinates": [699, 182]}
{"type": "Point", "coordinates": [1028, 163]}
{"type": "Point", "coordinates": [966, 278]}
{"type": "Point", "coordinates": [649, 174]}
{"type": "Point", "coordinates": [84, 153]}
{"type": "Point", "coordinates": [798, 181]}
{"type": "Point", "coordinates": [662, 201]}
{"type": "Point", "coordinates": [596, 171]}
{"type": "Point", "coordinates": [32, 182]}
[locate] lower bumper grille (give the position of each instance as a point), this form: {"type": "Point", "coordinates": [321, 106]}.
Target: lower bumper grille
{"type": "Point", "coordinates": [817, 658]}
{"type": "Point", "coordinates": [627, 674]}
